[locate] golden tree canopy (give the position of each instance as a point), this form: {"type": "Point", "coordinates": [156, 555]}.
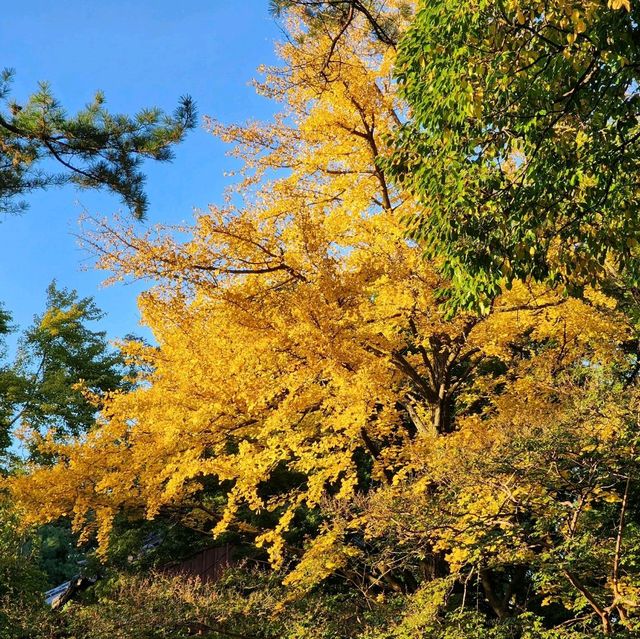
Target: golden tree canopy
{"type": "Point", "coordinates": [298, 331]}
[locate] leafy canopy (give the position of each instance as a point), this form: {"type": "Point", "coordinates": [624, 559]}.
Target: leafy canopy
{"type": "Point", "coordinates": [523, 144]}
{"type": "Point", "coordinates": [458, 475]}
{"type": "Point", "coordinates": [61, 370]}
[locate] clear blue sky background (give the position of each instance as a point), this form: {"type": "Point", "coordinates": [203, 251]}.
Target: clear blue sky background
{"type": "Point", "coordinates": [140, 53]}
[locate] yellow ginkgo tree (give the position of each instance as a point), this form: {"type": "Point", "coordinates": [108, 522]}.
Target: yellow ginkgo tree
{"type": "Point", "coordinates": [305, 365]}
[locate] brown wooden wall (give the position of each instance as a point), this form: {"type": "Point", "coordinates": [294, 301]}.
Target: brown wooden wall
{"type": "Point", "coordinates": [208, 564]}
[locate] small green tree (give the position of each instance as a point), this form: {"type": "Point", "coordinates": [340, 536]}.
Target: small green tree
{"type": "Point", "coordinates": [6, 380]}
{"type": "Point", "coordinates": [60, 359]}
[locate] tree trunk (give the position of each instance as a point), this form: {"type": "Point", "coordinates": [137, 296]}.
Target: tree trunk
{"type": "Point", "coordinates": [442, 421]}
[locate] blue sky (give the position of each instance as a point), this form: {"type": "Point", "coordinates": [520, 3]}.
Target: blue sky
{"type": "Point", "coordinates": [140, 53]}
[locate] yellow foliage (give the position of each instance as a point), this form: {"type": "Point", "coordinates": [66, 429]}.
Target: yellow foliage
{"type": "Point", "coordinates": [302, 330]}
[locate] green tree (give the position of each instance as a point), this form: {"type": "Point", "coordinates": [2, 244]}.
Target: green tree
{"type": "Point", "coordinates": [524, 140]}
{"type": "Point", "coordinates": [93, 148]}
{"type": "Point", "coordinates": [6, 380]}
{"type": "Point", "coordinates": [61, 368]}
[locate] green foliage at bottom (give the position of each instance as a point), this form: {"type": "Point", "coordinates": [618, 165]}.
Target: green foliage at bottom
{"type": "Point", "coordinates": [251, 604]}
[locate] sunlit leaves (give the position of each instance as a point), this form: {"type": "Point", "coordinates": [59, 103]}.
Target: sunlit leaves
{"type": "Point", "coordinates": [523, 142]}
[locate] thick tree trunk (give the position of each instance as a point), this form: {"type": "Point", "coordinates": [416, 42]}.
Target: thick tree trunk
{"type": "Point", "coordinates": [442, 413]}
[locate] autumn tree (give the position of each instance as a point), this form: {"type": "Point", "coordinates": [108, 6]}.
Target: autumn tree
{"type": "Point", "coordinates": [523, 142]}
{"type": "Point", "coordinates": [309, 389]}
